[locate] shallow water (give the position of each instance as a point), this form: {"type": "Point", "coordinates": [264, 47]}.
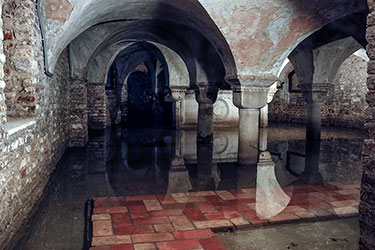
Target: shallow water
{"type": "Point", "coordinates": [118, 162]}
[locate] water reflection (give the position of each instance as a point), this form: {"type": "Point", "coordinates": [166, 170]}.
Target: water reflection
{"type": "Point", "coordinates": [122, 162]}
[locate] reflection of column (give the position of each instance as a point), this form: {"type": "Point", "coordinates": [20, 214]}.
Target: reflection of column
{"type": "Point", "coordinates": [311, 173]}
{"type": "Point", "coordinates": [78, 114]}
{"type": "Point", "coordinates": [206, 95]}
{"type": "Point", "coordinates": [263, 139]}
{"type": "Point", "coordinates": [178, 94]}
{"type": "Point", "coordinates": [248, 136]}
{"type": "Point", "coordinates": [314, 94]}
{"type": "Point", "coordinates": [205, 180]}
{"type": "Point", "coordinates": [270, 197]}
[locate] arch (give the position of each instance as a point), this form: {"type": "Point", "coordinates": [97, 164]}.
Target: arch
{"type": "Point", "coordinates": [66, 23]}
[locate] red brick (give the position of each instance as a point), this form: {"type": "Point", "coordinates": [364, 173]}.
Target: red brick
{"type": "Point", "coordinates": [240, 222]}
{"type": "Point", "coordinates": [140, 197]}
{"type": "Point", "coordinates": [189, 199]}
{"type": "Point", "coordinates": [96, 217]}
{"type": "Point", "coordinates": [205, 207]}
{"type": "Point", "coordinates": [151, 221]}
{"type": "Point", "coordinates": [166, 199]}
{"type": "Point", "coordinates": [212, 244]}
{"type": "Point", "coordinates": [118, 201]}
{"type": "Point", "coordinates": [123, 247]}
{"type": "Point", "coordinates": [138, 212]}
{"type": "Point", "coordinates": [179, 245]}
{"type": "Point", "coordinates": [194, 214]}
{"type": "Point", "coordinates": [133, 229]}
{"type": "Point", "coordinates": [216, 201]}
{"type": "Point", "coordinates": [181, 223]}
{"type": "Point", "coordinates": [100, 248]}
{"type": "Point", "coordinates": [194, 234]}
{"type": "Point", "coordinates": [164, 228]}
{"type": "Point", "coordinates": [110, 210]}
{"type": "Point", "coordinates": [245, 195]}
{"type": "Point", "coordinates": [171, 212]}
{"type": "Point", "coordinates": [121, 219]}
{"type": "Point", "coordinates": [155, 237]}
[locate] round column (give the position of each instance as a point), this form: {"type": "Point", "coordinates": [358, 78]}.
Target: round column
{"type": "Point", "coordinates": [248, 140]}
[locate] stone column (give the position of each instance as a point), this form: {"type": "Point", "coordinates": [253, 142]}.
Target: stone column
{"type": "Point", "coordinates": [314, 94]}
{"type": "Point", "coordinates": [78, 114]}
{"type": "Point", "coordinates": [205, 180]}
{"type": "Point", "coordinates": [249, 99]}
{"type": "Point", "coordinates": [206, 95]}
{"type": "Point", "coordinates": [264, 117]}
{"type": "Point", "coordinates": [311, 174]}
{"type": "Point", "coordinates": [178, 94]}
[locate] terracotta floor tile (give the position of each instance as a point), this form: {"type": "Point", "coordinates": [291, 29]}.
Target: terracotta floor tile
{"type": "Point", "coordinates": [291, 209]}
{"type": "Point", "coordinates": [166, 199]}
{"type": "Point", "coordinates": [346, 203]}
{"type": "Point", "coordinates": [138, 212]}
{"type": "Point", "coordinates": [252, 216]}
{"type": "Point", "coordinates": [123, 247]}
{"type": "Point", "coordinates": [305, 215]}
{"type": "Point", "coordinates": [348, 210]}
{"type": "Point", "coordinates": [194, 234]}
{"type": "Point", "coordinates": [205, 207]}
{"type": "Point", "coordinates": [96, 217]}
{"type": "Point", "coordinates": [151, 221]}
{"type": "Point", "coordinates": [102, 228]}
{"type": "Point", "coordinates": [101, 202]}
{"type": "Point", "coordinates": [124, 230]}
{"type": "Point", "coordinates": [181, 223]}
{"type": "Point", "coordinates": [179, 245]}
{"type": "Point", "coordinates": [145, 246]}
{"type": "Point", "coordinates": [122, 219]}
{"type": "Point", "coordinates": [111, 240]}
{"type": "Point", "coordinates": [225, 195]}
{"type": "Point", "coordinates": [284, 217]}
{"type": "Point", "coordinates": [141, 197]}
{"type": "Point", "coordinates": [239, 222]}
{"type": "Point", "coordinates": [110, 210]}
{"type": "Point", "coordinates": [212, 244]}
{"type": "Point", "coordinates": [213, 224]}
{"type": "Point", "coordinates": [202, 193]}
{"type": "Point", "coordinates": [223, 215]}
{"type": "Point", "coordinates": [164, 228]}
{"type": "Point", "coordinates": [169, 212]}
{"type": "Point", "coordinates": [178, 206]}
{"type": "Point", "coordinates": [154, 237]}
{"type": "Point", "coordinates": [215, 200]}
{"type": "Point", "coordinates": [194, 214]}
{"type": "Point", "coordinates": [100, 248]}
{"type": "Point", "coordinates": [152, 205]}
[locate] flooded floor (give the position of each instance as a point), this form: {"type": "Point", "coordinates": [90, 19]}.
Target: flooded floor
{"type": "Point", "coordinates": [125, 162]}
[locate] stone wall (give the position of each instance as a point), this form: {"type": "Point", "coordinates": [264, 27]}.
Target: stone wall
{"type": "Point", "coordinates": [344, 106]}
{"type": "Point", "coordinates": [98, 107]}
{"type": "Point", "coordinates": [29, 147]}
{"type": "Point", "coordinates": [22, 49]}
{"type": "Point", "coordinates": [78, 114]}
{"type": "Point", "coordinates": [367, 205]}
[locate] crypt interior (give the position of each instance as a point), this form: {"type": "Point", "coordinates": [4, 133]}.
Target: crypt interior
{"type": "Point", "coordinates": [187, 124]}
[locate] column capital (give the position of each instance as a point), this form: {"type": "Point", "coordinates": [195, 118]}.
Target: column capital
{"type": "Point", "coordinates": [314, 92]}
{"type": "Point", "coordinates": [251, 92]}
{"type": "Point", "coordinates": [178, 92]}
{"type": "Point", "coordinates": [206, 93]}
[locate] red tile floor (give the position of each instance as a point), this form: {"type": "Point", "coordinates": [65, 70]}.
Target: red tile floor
{"type": "Point", "coordinates": [188, 220]}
